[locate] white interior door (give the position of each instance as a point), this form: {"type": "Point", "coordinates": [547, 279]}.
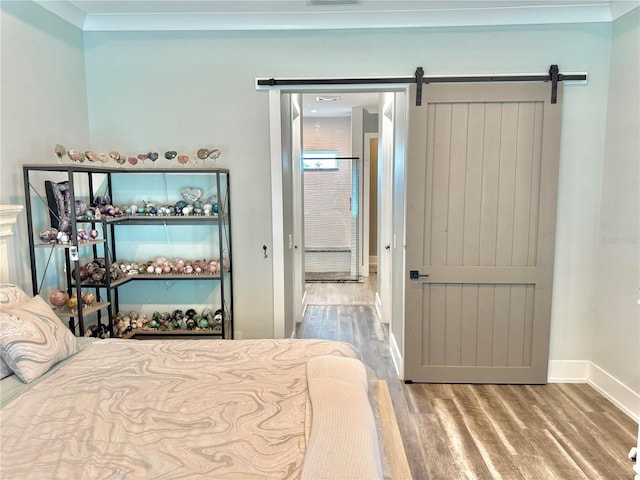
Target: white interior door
{"type": "Point", "coordinates": [482, 176]}
{"type": "Point", "coordinates": [385, 206]}
{"type": "Point", "coordinates": [396, 329]}
{"type": "Point", "coordinates": [297, 199]}
{"type": "Point", "coordinates": [370, 198]}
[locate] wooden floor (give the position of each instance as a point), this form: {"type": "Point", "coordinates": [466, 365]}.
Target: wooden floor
{"type": "Point", "coordinates": [555, 431]}
{"type": "Point", "coordinates": [342, 293]}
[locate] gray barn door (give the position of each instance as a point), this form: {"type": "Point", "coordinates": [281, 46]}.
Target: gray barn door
{"type": "Point", "coordinates": [482, 171]}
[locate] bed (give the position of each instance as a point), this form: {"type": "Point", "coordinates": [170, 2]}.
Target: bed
{"type": "Point", "coordinates": [220, 409]}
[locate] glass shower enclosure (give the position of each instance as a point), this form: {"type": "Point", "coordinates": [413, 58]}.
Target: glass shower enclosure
{"type": "Point", "coordinates": [332, 219]}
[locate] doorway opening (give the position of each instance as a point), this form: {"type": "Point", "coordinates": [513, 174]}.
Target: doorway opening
{"type": "Point", "coordinates": [374, 232]}
{"type": "Point", "coordinates": [335, 189]}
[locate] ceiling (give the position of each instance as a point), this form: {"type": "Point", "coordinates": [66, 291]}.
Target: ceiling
{"type": "Point", "coordinates": [322, 105]}
{"type": "Point", "coordinates": [173, 15]}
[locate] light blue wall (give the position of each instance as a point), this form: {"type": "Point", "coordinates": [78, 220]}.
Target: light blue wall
{"type": "Point", "coordinates": [190, 89]}
{"type": "Point", "coordinates": [44, 102]}
{"type": "Point", "coordinates": [616, 332]}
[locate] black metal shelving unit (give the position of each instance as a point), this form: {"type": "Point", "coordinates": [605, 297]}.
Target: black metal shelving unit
{"type": "Point", "coordinates": [109, 302]}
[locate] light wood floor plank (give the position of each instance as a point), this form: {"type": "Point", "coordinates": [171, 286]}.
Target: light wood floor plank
{"type": "Point", "coordinates": [466, 456]}
{"type": "Point", "coordinates": [397, 458]}
{"type": "Point", "coordinates": [433, 460]}
{"type": "Point", "coordinates": [487, 438]}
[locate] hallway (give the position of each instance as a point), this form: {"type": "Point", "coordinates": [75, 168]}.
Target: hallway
{"type": "Point", "coordinates": [346, 312]}
{"type": "Point", "coordinates": [342, 293]}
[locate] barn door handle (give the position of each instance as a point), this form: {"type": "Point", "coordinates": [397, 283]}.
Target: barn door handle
{"type": "Point", "coordinates": [415, 275]}
{"type": "Point", "coordinates": [387, 247]}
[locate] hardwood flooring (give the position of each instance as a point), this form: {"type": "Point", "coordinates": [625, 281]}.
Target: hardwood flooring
{"type": "Point", "coordinates": [344, 293]}
{"type": "Point", "coordinates": [510, 432]}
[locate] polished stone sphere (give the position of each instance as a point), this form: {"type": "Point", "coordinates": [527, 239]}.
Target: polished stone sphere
{"type": "Point", "coordinates": [59, 298]}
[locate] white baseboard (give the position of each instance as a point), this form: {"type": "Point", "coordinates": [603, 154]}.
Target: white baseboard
{"type": "Point", "coordinates": [378, 305]}
{"type": "Point", "coordinates": [396, 356]}
{"type": "Point", "coordinates": [568, 371]}
{"type": "Point", "coordinates": [585, 371]}
{"type": "Point", "coordinates": [304, 304]}
{"type": "Point", "coordinates": [622, 396]}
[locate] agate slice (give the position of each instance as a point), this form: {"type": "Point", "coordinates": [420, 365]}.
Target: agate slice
{"type": "Point", "coordinates": [91, 156]}
{"type": "Point", "coordinates": [60, 151]}
{"type": "Point", "coordinates": [48, 235]}
{"type": "Point", "coordinates": [88, 298]}
{"type": "Point", "coordinates": [191, 194]}
{"type": "Point", "coordinates": [59, 203]}
{"type": "Point", "coordinates": [115, 155]}
{"type": "Point", "coordinates": [76, 156]}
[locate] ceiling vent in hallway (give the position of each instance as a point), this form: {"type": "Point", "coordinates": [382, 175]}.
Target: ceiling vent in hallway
{"type": "Point", "coordinates": [334, 2]}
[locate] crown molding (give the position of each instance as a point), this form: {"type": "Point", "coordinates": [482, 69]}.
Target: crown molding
{"type": "Point", "coordinates": [65, 10]}
{"type": "Point", "coordinates": [280, 15]}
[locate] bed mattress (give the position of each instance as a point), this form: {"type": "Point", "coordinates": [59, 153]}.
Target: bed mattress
{"type": "Point", "coordinates": [124, 409]}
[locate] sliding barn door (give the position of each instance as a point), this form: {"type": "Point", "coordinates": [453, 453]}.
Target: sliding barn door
{"type": "Point", "coordinates": [482, 174]}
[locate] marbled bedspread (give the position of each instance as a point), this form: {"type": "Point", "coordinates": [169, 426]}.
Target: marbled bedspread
{"type": "Point", "coordinates": [166, 410]}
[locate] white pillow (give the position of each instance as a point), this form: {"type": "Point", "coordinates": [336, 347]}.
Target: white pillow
{"type": "Point", "coordinates": [11, 296]}
{"type": "Point", "coordinates": [33, 339]}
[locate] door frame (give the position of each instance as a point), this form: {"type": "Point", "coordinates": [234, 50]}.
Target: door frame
{"type": "Point", "coordinates": [277, 214]}
{"type": "Point", "coordinates": [299, 294]}
{"type": "Point", "coordinates": [385, 208]}
{"type": "Point", "coordinates": [366, 206]}
{"type": "Point", "coordinates": [277, 211]}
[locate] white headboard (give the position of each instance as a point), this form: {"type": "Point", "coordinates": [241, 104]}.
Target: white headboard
{"type": "Point", "coordinates": [8, 216]}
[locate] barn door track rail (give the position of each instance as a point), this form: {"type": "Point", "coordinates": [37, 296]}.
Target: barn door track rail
{"type": "Point", "coordinates": [553, 76]}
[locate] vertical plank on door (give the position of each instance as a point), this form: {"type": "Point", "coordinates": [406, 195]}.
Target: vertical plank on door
{"type": "Point", "coordinates": [473, 185]}
{"type": "Point", "coordinates": [436, 329]}
{"type": "Point", "coordinates": [523, 199]}
{"type": "Point", "coordinates": [506, 192]}
{"type": "Point", "coordinates": [501, 325]}
{"type": "Point", "coordinates": [485, 324]}
{"type": "Point", "coordinates": [440, 183]}
{"type": "Point", "coordinates": [516, 334]}
{"type": "Point", "coordinates": [469, 335]}
{"type": "Point", "coordinates": [535, 183]}
{"type": "Point", "coordinates": [527, 352]}
{"type": "Point", "coordinates": [453, 324]}
{"type": "Point", "coordinates": [490, 175]}
{"type": "Point", "coordinates": [457, 180]}
{"type": "Point", "coordinates": [428, 182]}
